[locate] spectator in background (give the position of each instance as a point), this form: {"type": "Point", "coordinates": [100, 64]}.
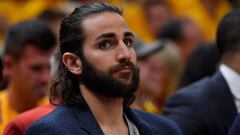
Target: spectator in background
{"type": "Point", "coordinates": [53, 19]}
{"type": "Point", "coordinates": [209, 106]}
{"type": "Point", "coordinates": [157, 14]}
{"type": "Point", "coordinates": [97, 79]}
{"type": "Point", "coordinates": [21, 122]}
{"type": "Point", "coordinates": [169, 72]}
{"type": "Point", "coordinates": [160, 68]}
{"type": "Point", "coordinates": [184, 34]}
{"type": "Point", "coordinates": [28, 48]}
{"type": "Point", "coordinates": [202, 63]}
{"type": "Point", "coordinates": [148, 82]}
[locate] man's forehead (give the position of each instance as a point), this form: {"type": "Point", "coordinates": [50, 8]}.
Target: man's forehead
{"type": "Point", "coordinates": [106, 23]}
{"type": "Point", "coordinates": [33, 52]}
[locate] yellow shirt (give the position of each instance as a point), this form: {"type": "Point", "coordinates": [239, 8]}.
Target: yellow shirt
{"type": "Point", "coordinates": [149, 106]}
{"type": "Point", "coordinates": [15, 11]}
{"type": "Point", "coordinates": [7, 113]}
{"type": "Point", "coordinates": [195, 10]}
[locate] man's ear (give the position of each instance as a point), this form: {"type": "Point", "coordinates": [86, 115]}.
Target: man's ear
{"type": "Point", "coordinates": [8, 64]}
{"type": "Point", "coordinates": [72, 62]}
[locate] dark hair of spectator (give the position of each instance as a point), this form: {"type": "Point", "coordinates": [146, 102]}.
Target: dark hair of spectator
{"type": "Point", "coordinates": [173, 30]}
{"type": "Point", "coordinates": [202, 63]}
{"type": "Point", "coordinates": [31, 32]}
{"type": "Point", "coordinates": [51, 15]}
{"type": "Point", "coordinates": [151, 3]}
{"type": "Point", "coordinates": [72, 37]}
{"type": "Point", "coordinates": [228, 33]}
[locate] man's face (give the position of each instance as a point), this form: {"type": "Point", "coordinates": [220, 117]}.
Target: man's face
{"type": "Point", "coordinates": [158, 16]}
{"type": "Point", "coordinates": [109, 63]}
{"type": "Point", "coordinates": [150, 75]}
{"type": "Point", "coordinates": [31, 73]}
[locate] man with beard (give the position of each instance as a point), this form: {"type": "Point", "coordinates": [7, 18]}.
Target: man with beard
{"type": "Point", "coordinates": [97, 78]}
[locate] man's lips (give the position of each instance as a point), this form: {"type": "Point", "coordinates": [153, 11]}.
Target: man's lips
{"type": "Point", "coordinates": [125, 70]}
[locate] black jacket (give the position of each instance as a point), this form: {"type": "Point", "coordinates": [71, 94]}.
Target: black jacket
{"type": "Point", "coordinates": [204, 108]}
{"type": "Point", "coordinates": [67, 120]}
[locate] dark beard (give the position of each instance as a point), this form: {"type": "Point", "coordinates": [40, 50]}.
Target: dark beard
{"type": "Point", "coordinates": [105, 85]}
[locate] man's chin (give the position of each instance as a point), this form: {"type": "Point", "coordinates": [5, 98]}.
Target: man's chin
{"type": "Point", "coordinates": [123, 78]}
{"type": "Point", "coordinates": [124, 81]}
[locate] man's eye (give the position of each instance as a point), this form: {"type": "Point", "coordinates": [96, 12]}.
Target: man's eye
{"type": "Point", "coordinates": [105, 45]}
{"type": "Point", "coordinates": [36, 68]}
{"type": "Point", "coordinates": [128, 42]}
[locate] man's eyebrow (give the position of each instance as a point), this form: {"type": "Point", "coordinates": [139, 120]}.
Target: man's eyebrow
{"type": "Point", "coordinates": [128, 34]}
{"type": "Point", "coordinates": [111, 35]}
{"type": "Point", "coordinates": [106, 35]}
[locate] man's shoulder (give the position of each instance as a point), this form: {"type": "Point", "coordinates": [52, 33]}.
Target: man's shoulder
{"type": "Point", "coordinates": [53, 122]}
{"type": "Point", "coordinates": [55, 114]}
{"type": "Point", "coordinates": [43, 126]}
{"type": "Point", "coordinates": [202, 90]}
{"type": "Point", "coordinates": [150, 117]}
{"type": "Point", "coordinates": [199, 87]}
{"type": "Point", "coordinates": [157, 122]}
{"type": "Point", "coordinates": [193, 98]}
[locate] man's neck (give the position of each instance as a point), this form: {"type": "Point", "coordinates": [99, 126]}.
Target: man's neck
{"type": "Point", "coordinates": [232, 60]}
{"type": "Point", "coordinates": [108, 112]}
{"type": "Point", "coordinates": [18, 102]}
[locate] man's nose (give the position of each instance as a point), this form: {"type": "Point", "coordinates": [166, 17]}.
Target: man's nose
{"type": "Point", "coordinates": [123, 52]}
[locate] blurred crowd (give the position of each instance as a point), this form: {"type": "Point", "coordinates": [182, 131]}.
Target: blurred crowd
{"type": "Point", "coordinates": [175, 46]}
{"type": "Point", "coordinates": [145, 17]}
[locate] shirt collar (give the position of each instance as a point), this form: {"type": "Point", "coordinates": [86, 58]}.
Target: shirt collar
{"type": "Point", "coordinates": [232, 78]}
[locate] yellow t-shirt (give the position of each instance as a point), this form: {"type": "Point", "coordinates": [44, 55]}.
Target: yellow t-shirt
{"type": "Point", "coordinates": [7, 113]}
{"type": "Point", "coordinates": [149, 106]}
{"type": "Point", "coordinates": [195, 10]}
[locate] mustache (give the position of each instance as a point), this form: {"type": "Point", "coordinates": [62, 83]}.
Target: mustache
{"type": "Point", "coordinates": [123, 65]}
